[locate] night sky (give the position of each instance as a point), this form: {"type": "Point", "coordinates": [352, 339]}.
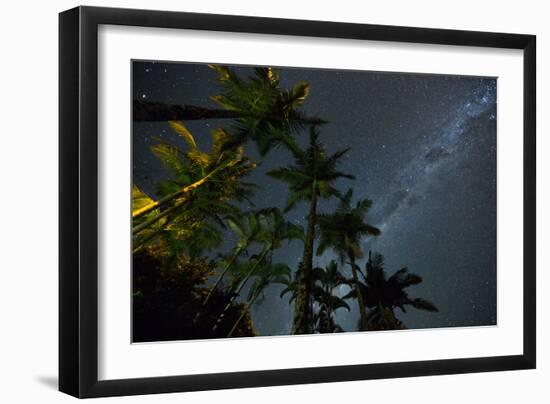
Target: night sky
{"type": "Point", "coordinates": [423, 149]}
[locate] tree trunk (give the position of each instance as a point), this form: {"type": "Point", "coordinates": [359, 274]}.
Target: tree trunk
{"type": "Point", "coordinates": [153, 205]}
{"type": "Point", "coordinates": [227, 267]}
{"type": "Point", "coordinates": [140, 212]}
{"type": "Point", "coordinates": [140, 243]}
{"type": "Point", "coordinates": [241, 286]}
{"type": "Point", "coordinates": [153, 220]}
{"type": "Point", "coordinates": [329, 316]}
{"type": "Point", "coordinates": [302, 310]}
{"type": "Point", "coordinates": [360, 302]}
{"type": "Point", "coordinates": [245, 310]}
{"type": "Point", "coordinates": [145, 111]}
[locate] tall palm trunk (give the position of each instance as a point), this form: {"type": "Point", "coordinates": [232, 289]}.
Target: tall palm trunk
{"type": "Point", "coordinates": [362, 310]}
{"type": "Point", "coordinates": [241, 286]}
{"type": "Point", "coordinates": [139, 243]}
{"type": "Point", "coordinates": [329, 310]}
{"type": "Point", "coordinates": [145, 111]}
{"type": "Point", "coordinates": [179, 203]}
{"type": "Point", "coordinates": [213, 288]}
{"type": "Point", "coordinates": [302, 309]}
{"type": "Point", "coordinates": [244, 311]}
{"type": "Point", "coordinates": [149, 222]}
{"type": "Point", "coordinates": [227, 268]}
{"type": "Point", "coordinates": [153, 205]}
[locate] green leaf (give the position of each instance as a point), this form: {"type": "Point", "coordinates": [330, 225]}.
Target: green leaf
{"type": "Point", "coordinates": [170, 157]}
{"type": "Point", "coordinates": [299, 93]}
{"type": "Point", "coordinates": [139, 198]}
{"type": "Point", "coordinates": [181, 130]}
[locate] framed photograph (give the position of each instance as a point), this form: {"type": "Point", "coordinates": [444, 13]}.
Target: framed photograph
{"type": "Point", "coordinates": [253, 202]}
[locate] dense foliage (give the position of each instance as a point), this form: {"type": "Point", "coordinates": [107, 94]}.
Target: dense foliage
{"type": "Point", "coordinates": [185, 288]}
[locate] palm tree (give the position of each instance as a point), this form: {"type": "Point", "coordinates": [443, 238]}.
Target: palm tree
{"type": "Point", "coordinates": [261, 109]}
{"type": "Point", "coordinates": [323, 281]}
{"type": "Point", "coordinates": [342, 231]}
{"type": "Point", "coordinates": [292, 286]}
{"type": "Point", "coordinates": [247, 228]}
{"type": "Point", "coordinates": [273, 231]}
{"type": "Point", "coordinates": [267, 274]}
{"type": "Point", "coordinates": [272, 113]}
{"type": "Point", "coordinates": [382, 295]}
{"type": "Point", "coordinates": [194, 168]}
{"type": "Point", "coordinates": [311, 177]}
{"type": "Point", "coordinates": [327, 280]}
{"type": "Point", "coordinates": [202, 193]}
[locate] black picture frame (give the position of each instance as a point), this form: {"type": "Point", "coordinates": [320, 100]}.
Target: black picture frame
{"type": "Point", "coordinates": [78, 201]}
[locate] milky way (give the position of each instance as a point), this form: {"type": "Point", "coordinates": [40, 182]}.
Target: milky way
{"type": "Point", "coordinates": [423, 149]}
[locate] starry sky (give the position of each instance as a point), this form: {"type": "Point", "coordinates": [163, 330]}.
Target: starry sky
{"type": "Point", "coordinates": [423, 149]}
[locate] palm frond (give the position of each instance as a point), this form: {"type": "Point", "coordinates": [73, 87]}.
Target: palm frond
{"type": "Point", "coordinates": [423, 304]}
{"type": "Point", "coordinates": [291, 175]}
{"type": "Point", "coordinates": [404, 278]}
{"type": "Point", "coordinates": [294, 198]}
{"type": "Point", "coordinates": [181, 130]}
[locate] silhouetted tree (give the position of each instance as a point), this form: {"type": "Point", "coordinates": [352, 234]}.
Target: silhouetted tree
{"type": "Point", "coordinates": [382, 295]}
{"type": "Point", "coordinates": [343, 232]}
{"type": "Point", "coordinates": [274, 230]}
{"type": "Point", "coordinates": [326, 281]}
{"type": "Point", "coordinates": [247, 228]}
{"type": "Point", "coordinates": [266, 274]}
{"type": "Point", "coordinates": [311, 177]}
{"type": "Point", "coordinates": [202, 193]}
